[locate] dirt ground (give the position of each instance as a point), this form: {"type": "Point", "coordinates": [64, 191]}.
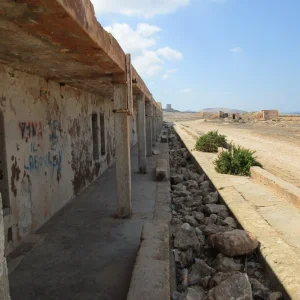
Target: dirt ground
{"type": "Point", "coordinates": [277, 144]}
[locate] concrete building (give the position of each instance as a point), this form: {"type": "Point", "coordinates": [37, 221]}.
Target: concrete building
{"type": "Point", "coordinates": [269, 114]}
{"type": "Point", "coordinates": [71, 104]}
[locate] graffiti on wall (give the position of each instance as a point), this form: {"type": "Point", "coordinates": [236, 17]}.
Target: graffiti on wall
{"type": "Point", "coordinates": [41, 157]}
{"type": "Point", "coordinates": [31, 130]}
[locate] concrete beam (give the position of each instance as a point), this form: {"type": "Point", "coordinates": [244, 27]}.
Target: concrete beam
{"type": "Point", "coordinates": [141, 125]}
{"type": "Point", "coordinates": [123, 161]}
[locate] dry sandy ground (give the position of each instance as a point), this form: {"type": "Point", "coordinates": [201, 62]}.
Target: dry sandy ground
{"type": "Point", "coordinates": [277, 147]}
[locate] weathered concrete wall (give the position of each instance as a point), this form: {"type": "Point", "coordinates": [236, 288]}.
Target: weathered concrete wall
{"type": "Point", "coordinates": [269, 114]}
{"type": "Point", "coordinates": [49, 146]}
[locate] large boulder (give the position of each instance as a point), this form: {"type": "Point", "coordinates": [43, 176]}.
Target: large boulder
{"type": "Point", "coordinates": [234, 243]}
{"type": "Point", "coordinates": [235, 287]}
{"type": "Point", "coordinates": [212, 229]}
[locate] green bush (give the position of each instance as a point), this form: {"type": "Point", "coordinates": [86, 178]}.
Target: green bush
{"type": "Point", "coordinates": [210, 142]}
{"type": "Point", "coordinates": [236, 161]}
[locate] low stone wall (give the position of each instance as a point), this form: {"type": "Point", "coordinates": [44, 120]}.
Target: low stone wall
{"type": "Point", "coordinates": [280, 187]}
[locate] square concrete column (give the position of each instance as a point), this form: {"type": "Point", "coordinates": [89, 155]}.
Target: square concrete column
{"type": "Point", "coordinates": [4, 284]}
{"type": "Point", "coordinates": [149, 117]}
{"type": "Point", "coordinates": [154, 138]}
{"type": "Point", "coordinates": [141, 124]}
{"type": "Point", "coordinates": [123, 163]}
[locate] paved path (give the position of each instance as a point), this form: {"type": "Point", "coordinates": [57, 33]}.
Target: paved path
{"type": "Point", "coordinates": [84, 252]}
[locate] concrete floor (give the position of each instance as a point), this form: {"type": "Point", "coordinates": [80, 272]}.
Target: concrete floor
{"type": "Point", "coordinates": [84, 252]}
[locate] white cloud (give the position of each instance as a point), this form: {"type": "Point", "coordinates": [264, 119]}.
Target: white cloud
{"type": "Point", "coordinates": [140, 43]}
{"type": "Point", "coordinates": [169, 53]}
{"type": "Point", "coordinates": [236, 50]}
{"type": "Point", "coordinates": [146, 29]}
{"type": "Point", "coordinates": [168, 73]}
{"type": "Point", "coordinates": [148, 64]}
{"type": "Point", "coordinates": [144, 8]}
{"type": "Point", "coordinates": [186, 91]}
{"type": "Point", "coordinates": [133, 40]}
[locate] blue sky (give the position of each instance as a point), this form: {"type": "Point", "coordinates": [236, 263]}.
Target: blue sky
{"type": "Point", "coordinates": [194, 54]}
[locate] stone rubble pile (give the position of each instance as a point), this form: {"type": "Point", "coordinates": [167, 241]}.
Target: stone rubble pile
{"type": "Point", "coordinates": [215, 260]}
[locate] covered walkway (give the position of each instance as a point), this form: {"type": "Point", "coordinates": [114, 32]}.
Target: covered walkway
{"type": "Point", "coordinates": [84, 252]}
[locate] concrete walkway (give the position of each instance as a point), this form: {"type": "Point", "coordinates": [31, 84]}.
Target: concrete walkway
{"type": "Point", "coordinates": [84, 252]}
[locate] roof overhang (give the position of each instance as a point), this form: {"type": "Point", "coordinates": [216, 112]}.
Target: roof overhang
{"type": "Point", "coordinates": [61, 40]}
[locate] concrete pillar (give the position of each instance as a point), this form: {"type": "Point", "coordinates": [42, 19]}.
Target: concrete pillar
{"type": "Point", "coordinates": [149, 116]}
{"type": "Point", "coordinates": [141, 124]}
{"type": "Point", "coordinates": [4, 285]}
{"type": "Point", "coordinates": [153, 126]}
{"type": "Point", "coordinates": [123, 163]}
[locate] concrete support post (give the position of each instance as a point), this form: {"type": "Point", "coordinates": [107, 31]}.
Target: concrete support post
{"type": "Point", "coordinates": [141, 124]}
{"type": "Point", "coordinates": [149, 116]}
{"type": "Point", "coordinates": [123, 163]}
{"type": "Point", "coordinates": [4, 285]}
{"type": "Point", "coordinates": [153, 126]}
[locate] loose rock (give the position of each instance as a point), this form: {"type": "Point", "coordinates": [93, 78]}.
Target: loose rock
{"type": "Point", "coordinates": [230, 222]}
{"type": "Point", "coordinates": [202, 268]}
{"type": "Point", "coordinates": [175, 179]}
{"type": "Point", "coordinates": [214, 229]}
{"type": "Point", "coordinates": [235, 287]}
{"type": "Point", "coordinates": [185, 239]}
{"type": "Point", "coordinates": [191, 294]}
{"type": "Point", "coordinates": [204, 184]}
{"type": "Point", "coordinates": [275, 296]}
{"type": "Point", "coordinates": [215, 208]}
{"type": "Point", "coordinates": [226, 264]}
{"type": "Point", "coordinates": [234, 243]}
{"type": "Point", "coordinates": [259, 290]}
{"type": "Point", "coordinates": [218, 278]}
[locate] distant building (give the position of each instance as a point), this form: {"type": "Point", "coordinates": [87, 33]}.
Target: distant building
{"type": "Point", "coordinates": [169, 108]}
{"type": "Point", "coordinates": [269, 114]}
